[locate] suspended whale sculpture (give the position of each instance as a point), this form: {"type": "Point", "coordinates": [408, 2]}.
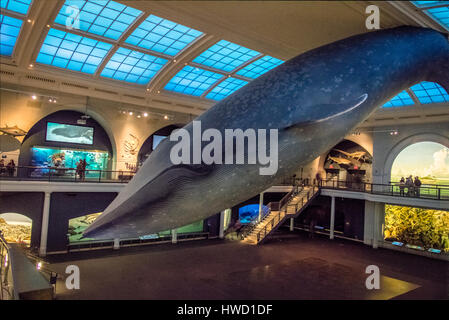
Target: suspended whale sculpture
{"type": "Point", "coordinates": [314, 100]}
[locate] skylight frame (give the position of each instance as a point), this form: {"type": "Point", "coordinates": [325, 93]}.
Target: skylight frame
{"type": "Point", "coordinates": [226, 56]}
{"type": "Point", "coordinates": [225, 88]}
{"type": "Point", "coordinates": [259, 67]}
{"type": "Point", "coordinates": [9, 27]}
{"type": "Point", "coordinates": [182, 82]}
{"type": "Point", "coordinates": [7, 5]}
{"type": "Point", "coordinates": [148, 35]}
{"type": "Point", "coordinates": [93, 22]}
{"type": "Point", "coordinates": [59, 42]}
{"type": "Point", "coordinates": [124, 62]}
{"type": "Point", "coordinates": [429, 9]}
{"type": "Point", "coordinates": [403, 99]}
{"type": "Point", "coordinates": [427, 92]}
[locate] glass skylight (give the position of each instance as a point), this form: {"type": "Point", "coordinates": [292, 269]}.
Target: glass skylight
{"type": "Point", "coordinates": [162, 36]}
{"type": "Point", "coordinates": [192, 81]}
{"type": "Point", "coordinates": [402, 99]}
{"type": "Point", "coordinates": [225, 56]}
{"type": "Point", "coordinates": [132, 66]}
{"type": "Point", "coordinates": [9, 31]}
{"type": "Point", "coordinates": [425, 4]}
{"type": "Point", "coordinates": [225, 88]}
{"type": "Point", "coordinates": [19, 6]}
{"type": "Point", "coordinates": [66, 50]}
{"type": "Point", "coordinates": [259, 67]}
{"type": "Point", "coordinates": [430, 92]}
{"type": "Point", "coordinates": [101, 17]}
{"type": "Point", "coordinates": [441, 15]}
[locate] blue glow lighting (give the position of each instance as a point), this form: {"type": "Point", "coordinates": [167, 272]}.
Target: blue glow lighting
{"type": "Point", "coordinates": [225, 88]}
{"type": "Point", "coordinates": [162, 36]}
{"type": "Point", "coordinates": [19, 6]}
{"type": "Point", "coordinates": [101, 17]}
{"type": "Point", "coordinates": [259, 67]}
{"type": "Point", "coordinates": [430, 92]}
{"type": "Point", "coordinates": [441, 15]}
{"type": "Point", "coordinates": [426, 4]}
{"type": "Point", "coordinates": [132, 66]}
{"type": "Point", "coordinates": [225, 56]}
{"type": "Point", "coordinates": [402, 99]}
{"type": "Point", "coordinates": [74, 52]}
{"type": "Point", "coordinates": [9, 31]}
{"type": "Point", "coordinates": [192, 81]}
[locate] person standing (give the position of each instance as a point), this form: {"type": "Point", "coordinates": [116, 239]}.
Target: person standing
{"type": "Point", "coordinates": [417, 184]}
{"type": "Point", "coordinates": [11, 168]}
{"type": "Point", "coordinates": [402, 187]}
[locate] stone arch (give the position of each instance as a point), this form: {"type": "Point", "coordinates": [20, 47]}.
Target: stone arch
{"type": "Point", "coordinates": [401, 145]}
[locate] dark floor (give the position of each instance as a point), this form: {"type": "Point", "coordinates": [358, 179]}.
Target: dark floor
{"type": "Point", "coordinates": [290, 266]}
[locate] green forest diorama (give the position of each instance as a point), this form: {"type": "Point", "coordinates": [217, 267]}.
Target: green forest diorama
{"type": "Point", "coordinates": [415, 226]}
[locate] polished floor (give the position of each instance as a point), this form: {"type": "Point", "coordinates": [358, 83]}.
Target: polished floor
{"type": "Point", "coordinates": [290, 266]}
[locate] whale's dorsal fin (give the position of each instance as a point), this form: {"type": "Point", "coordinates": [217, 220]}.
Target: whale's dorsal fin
{"type": "Point", "coordinates": [334, 111]}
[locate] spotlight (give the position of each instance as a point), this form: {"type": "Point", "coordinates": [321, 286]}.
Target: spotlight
{"type": "Point", "coordinates": [31, 65]}
{"type": "Point", "coordinates": [29, 20]}
{"type": "Point", "coordinates": [130, 113]}
{"type": "Point", "coordinates": [39, 265]}
{"type": "Point", "coordinates": [145, 114]}
{"type": "Point", "coordinates": [50, 100]}
{"type": "Point", "coordinates": [138, 116]}
{"type": "Point", "coordinates": [33, 97]}
{"type": "Point", "coordinates": [166, 117]}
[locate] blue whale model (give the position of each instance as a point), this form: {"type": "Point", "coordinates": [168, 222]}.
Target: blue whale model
{"type": "Point", "coordinates": [314, 100]}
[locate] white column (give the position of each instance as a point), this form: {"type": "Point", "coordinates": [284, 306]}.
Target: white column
{"type": "Point", "coordinates": [45, 220]}
{"type": "Point", "coordinates": [379, 212]}
{"type": "Point", "coordinates": [174, 236]}
{"type": "Point", "coordinates": [332, 224]}
{"type": "Point", "coordinates": [260, 206]}
{"type": "Point", "coordinates": [116, 243]}
{"type": "Point", "coordinates": [222, 218]}
{"type": "Point", "coordinates": [292, 223]}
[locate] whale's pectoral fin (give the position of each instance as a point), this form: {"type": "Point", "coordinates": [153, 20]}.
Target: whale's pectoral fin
{"type": "Point", "coordinates": [324, 112]}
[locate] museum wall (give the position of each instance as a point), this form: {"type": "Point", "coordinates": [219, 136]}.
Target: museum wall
{"type": "Point", "coordinates": [387, 146]}
{"type": "Point", "coordinates": [65, 206]}
{"type": "Point", "coordinates": [126, 133]}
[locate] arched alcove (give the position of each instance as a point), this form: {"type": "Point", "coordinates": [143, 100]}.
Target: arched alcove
{"type": "Point", "coordinates": [153, 140]}
{"type": "Point", "coordinates": [401, 145]}
{"type": "Point", "coordinates": [59, 140]}
{"type": "Point", "coordinates": [16, 228]}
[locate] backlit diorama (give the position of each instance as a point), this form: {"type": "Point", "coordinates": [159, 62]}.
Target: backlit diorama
{"type": "Point", "coordinates": [16, 228]}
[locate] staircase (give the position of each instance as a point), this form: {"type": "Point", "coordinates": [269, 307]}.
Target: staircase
{"type": "Point", "coordinates": [289, 207]}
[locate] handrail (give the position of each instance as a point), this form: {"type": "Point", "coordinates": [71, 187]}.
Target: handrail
{"type": "Point", "coordinates": [435, 192]}
{"type": "Point", "coordinates": [64, 174]}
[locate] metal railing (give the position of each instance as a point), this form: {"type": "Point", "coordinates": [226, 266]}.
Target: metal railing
{"type": "Point", "coordinates": [63, 174]}
{"type": "Point", "coordinates": [434, 192]}
{"type": "Point", "coordinates": [7, 291]}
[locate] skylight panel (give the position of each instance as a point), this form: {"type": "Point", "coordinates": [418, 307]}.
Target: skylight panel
{"type": "Point", "coordinates": [162, 36]}
{"type": "Point", "coordinates": [132, 66]}
{"type": "Point", "coordinates": [225, 88]}
{"type": "Point", "coordinates": [192, 81]}
{"type": "Point", "coordinates": [19, 6]}
{"type": "Point", "coordinates": [401, 100]}
{"type": "Point", "coordinates": [105, 18]}
{"type": "Point", "coordinates": [9, 31]}
{"type": "Point", "coordinates": [426, 4]}
{"type": "Point", "coordinates": [225, 56]}
{"type": "Point", "coordinates": [441, 15]}
{"type": "Point", "coordinates": [69, 51]}
{"type": "Point", "coordinates": [430, 92]}
{"type": "Point", "coordinates": [259, 67]}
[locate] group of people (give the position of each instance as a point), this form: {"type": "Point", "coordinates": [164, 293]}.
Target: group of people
{"type": "Point", "coordinates": [9, 168]}
{"type": "Point", "coordinates": [412, 185]}
{"type": "Point", "coordinates": [81, 169]}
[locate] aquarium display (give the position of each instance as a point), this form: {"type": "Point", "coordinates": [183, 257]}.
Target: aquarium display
{"type": "Point", "coordinates": [417, 228]}
{"type": "Point", "coordinates": [157, 139]}
{"type": "Point", "coordinates": [16, 228]}
{"type": "Point", "coordinates": [250, 213]}
{"type": "Point", "coordinates": [59, 132]}
{"type": "Point", "coordinates": [63, 161]}
{"type": "Point", "coordinates": [78, 225]}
